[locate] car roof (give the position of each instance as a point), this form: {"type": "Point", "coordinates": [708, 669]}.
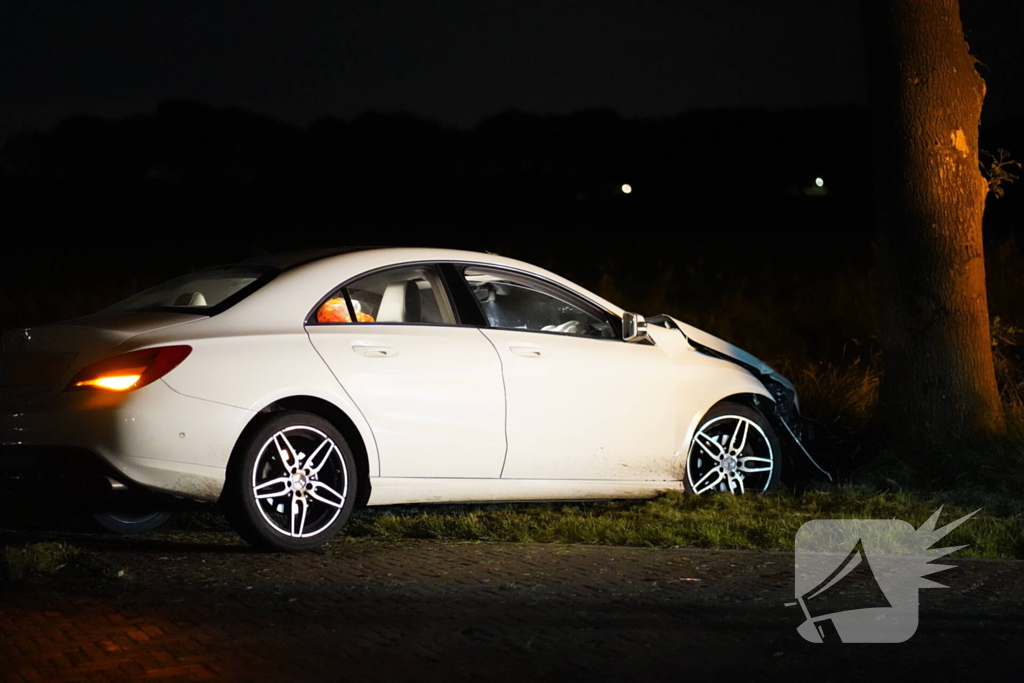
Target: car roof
{"type": "Point", "coordinates": [287, 260]}
{"type": "Point", "coordinates": [308, 276]}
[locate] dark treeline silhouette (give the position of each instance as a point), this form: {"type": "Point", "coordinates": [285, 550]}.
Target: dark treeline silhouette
{"type": "Point", "coordinates": [754, 149]}
{"type": "Point", "coordinates": [190, 185]}
{"type": "Point", "coordinates": [515, 180]}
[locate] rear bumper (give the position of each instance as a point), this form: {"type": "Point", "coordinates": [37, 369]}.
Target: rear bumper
{"type": "Point", "coordinates": [64, 476]}
{"type": "Point", "coordinates": [153, 438]}
{"type": "Point", "coordinates": [71, 479]}
{"type": "Point", "coordinates": [26, 462]}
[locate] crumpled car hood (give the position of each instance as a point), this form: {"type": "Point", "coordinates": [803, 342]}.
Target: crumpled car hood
{"type": "Point", "coordinates": [698, 336]}
{"type": "Point", "coordinates": [723, 347]}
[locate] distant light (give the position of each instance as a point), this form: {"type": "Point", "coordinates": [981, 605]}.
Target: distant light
{"type": "Point", "coordinates": [820, 182]}
{"type": "Point", "coordinates": [626, 188]}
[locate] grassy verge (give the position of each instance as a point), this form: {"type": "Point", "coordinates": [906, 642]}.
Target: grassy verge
{"type": "Point", "coordinates": [753, 522]}
{"type": "Point", "coordinates": [34, 559]}
{"type": "Point", "coordinates": [41, 560]}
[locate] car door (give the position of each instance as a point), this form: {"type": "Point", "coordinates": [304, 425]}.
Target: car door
{"type": "Point", "coordinates": [430, 388]}
{"type": "Point", "coordinates": [581, 403]}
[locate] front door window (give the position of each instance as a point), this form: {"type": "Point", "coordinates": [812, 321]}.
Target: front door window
{"type": "Point", "coordinates": [516, 302]}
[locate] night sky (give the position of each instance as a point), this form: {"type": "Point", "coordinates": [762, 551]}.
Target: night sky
{"type": "Point", "coordinates": [454, 62]}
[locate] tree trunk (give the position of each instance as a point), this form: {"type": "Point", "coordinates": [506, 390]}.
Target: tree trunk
{"type": "Point", "coordinates": [938, 378]}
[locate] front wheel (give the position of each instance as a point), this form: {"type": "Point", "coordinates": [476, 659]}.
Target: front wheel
{"type": "Point", "coordinates": [293, 485]}
{"type": "Point", "coordinates": [735, 450]}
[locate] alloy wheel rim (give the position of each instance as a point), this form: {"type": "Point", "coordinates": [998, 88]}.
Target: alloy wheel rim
{"type": "Point", "coordinates": [300, 481]}
{"type": "Point", "coordinates": [730, 454]}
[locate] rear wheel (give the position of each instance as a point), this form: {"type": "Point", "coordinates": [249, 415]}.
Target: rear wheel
{"type": "Point", "coordinates": [130, 521]}
{"type": "Point", "coordinates": [735, 450]}
{"type": "Point", "coordinates": [293, 485]}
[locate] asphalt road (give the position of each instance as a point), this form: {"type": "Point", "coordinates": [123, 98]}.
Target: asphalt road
{"type": "Point", "coordinates": [202, 606]}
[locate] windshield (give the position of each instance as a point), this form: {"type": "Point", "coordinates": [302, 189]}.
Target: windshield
{"type": "Point", "coordinates": [207, 292]}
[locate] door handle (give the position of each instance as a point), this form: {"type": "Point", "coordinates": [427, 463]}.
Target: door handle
{"type": "Point", "coordinates": [529, 351]}
{"type": "Point", "coordinates": [374, 351]}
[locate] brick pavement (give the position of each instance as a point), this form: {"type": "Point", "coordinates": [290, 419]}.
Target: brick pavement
{"type": "Point", "coordinates": [204, 607]}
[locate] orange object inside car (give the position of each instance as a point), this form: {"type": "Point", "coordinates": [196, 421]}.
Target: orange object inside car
{"type": "Point", "coordinates": [335, 311]}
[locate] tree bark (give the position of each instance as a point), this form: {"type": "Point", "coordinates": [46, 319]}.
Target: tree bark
{"type": "Point", "coordinates": [938, 378]}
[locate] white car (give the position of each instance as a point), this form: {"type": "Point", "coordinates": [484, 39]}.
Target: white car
{"type": "Point", "coordinates": [295, 388]}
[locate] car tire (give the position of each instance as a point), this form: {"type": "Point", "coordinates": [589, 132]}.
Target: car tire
{"type": "Point", "coordinates": [129, 522]}
{"type": "Point", "coordinates": [734, 450]}
{"type": "Point", "coordinates": [291, 485]}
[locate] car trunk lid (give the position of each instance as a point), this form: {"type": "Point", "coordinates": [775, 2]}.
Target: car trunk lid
{"type": "Point", "coordinates": [36, 363]}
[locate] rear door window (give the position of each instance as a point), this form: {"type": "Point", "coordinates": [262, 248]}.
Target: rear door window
{"type": "Point", "coordinates": [411, 295]}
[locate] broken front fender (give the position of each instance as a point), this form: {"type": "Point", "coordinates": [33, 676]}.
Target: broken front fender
{"type": "Point", "coordinates": [784, 411]}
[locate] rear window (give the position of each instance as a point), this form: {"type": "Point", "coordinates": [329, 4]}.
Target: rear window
{"type": "Point", "coordinates": [208, 291]}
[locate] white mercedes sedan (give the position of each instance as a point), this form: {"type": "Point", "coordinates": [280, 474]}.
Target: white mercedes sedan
{"type": "Point", "coordinates": [298, 387]}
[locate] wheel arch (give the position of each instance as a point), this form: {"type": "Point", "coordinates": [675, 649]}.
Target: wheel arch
{"type": "Point", "coordinates": [750, 395]}
{"type": "Point", "coordinates": [755, 400]}
{"type": "Point", "coordinates": [330, 412]}
{"type": "Point", "coordinates": [752, 400]}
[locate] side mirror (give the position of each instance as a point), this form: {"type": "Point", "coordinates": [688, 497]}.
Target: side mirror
{"type": "Point", "coordinates": [634, 327]}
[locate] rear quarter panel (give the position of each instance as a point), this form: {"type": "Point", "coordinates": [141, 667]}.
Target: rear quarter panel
{"type": "Point", "coordinates": [254, 369]}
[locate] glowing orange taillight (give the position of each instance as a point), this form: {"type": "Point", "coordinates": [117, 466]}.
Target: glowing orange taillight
{"type": "Point", "coordinates": [112, 383]}
{"type": "Point", "coordinates": [130, 371]}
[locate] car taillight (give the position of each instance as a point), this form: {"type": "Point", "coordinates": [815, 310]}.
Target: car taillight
{"type": "Point", "coordinates": [130, 371]}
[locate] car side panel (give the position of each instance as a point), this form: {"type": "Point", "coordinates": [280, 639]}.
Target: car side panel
{"type": "Point", "coordinates": [581, 408]}
{"type": "Point", "coordinates": [433, 395]}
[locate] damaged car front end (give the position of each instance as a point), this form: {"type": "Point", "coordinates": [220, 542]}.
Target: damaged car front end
{"type": "Point", "coordinates": [783, 411]}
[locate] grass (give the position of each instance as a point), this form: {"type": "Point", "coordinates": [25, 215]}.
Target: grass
{"type": "Point", "coordinates": [44, 559]}
{"type": "Point", "coordinates": [719, 521]}
{"type": "Point", "coordinates": [34, 559]}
